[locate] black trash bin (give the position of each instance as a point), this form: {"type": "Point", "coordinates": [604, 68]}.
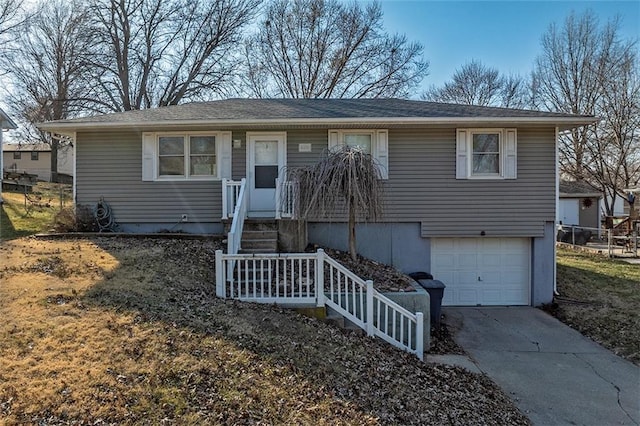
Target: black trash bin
{"type": "Point", "coordinates": [435, 288]}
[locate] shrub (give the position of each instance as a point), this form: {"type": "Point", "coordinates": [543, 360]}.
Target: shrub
{"type": "Point", "coordinates": [75, 219]}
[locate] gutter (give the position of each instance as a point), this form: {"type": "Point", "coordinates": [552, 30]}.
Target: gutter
{"type": "Point", "coordinates": [563, 123]}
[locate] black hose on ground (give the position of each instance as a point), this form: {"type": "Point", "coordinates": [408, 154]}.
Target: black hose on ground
{"type": "Point", "coordinates": [104, 217]}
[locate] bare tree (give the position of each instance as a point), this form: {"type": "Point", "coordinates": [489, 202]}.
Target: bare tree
{"type": "Point", "coordinates": [585, 68]}
{"type": "Point", "coordinates": [329, 49]}
{"type": "Point", "coordinates": [477, 84]}
{"type": "Point", "coordinates": [10, 16]}
{"type": "Point", "coordinates": [50, 62]}
{"type": "Point", "coordinates": [162, 52]}
{"type": "Point", "coordinates": [345, 177]}
{"type": "Point", "coordinates": [614, 146]}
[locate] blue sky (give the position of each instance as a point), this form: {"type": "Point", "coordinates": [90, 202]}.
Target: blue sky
{"type": "Point", "coordinates": [502, 34]}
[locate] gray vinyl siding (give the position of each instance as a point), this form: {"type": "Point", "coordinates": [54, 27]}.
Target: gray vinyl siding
{"type": "Point", "coordinates": [239, 155]}
{"type": "Point", "coordinates": [422, 186]}
{"type": "Point", "coordinates": [109, 165]}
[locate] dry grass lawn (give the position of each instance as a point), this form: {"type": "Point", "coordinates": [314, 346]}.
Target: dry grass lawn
{"type": "Point", "coordinates": [127, 331]}
{"type": "Point", "coordinates": [600, 297]}
{"type": "Point", "coordinates": [18, 219]}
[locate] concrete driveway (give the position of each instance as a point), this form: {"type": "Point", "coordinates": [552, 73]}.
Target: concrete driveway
{"type": "Point", "coordinates": [555, 375]}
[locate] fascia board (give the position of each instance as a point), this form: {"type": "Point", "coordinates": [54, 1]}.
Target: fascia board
{"type": "Point", "coordinates": [564, 123]}
{"type": "Point", "coordinates": [581, 195]}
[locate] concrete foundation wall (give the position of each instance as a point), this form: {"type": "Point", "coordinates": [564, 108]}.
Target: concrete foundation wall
{"type": "Point", "coordinates": [543, 266]}
{"type": "Point", "coordinates": [187, 227]}
{"type": "Point", "coordinates": [397, 244]}
{"type": "Point", "coordinates": [417, 301]}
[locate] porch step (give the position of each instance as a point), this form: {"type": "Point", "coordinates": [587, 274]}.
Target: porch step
{"type": "Point", "coordinates": [260, 225]}
{"type": "Point", "coordinates": [259, 236]}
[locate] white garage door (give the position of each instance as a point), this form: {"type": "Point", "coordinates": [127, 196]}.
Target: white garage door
{"type": "Point", "coordinates": [482, 271]}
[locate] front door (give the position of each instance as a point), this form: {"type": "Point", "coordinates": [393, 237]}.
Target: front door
{"type": "Point", "coordinates": [266, 157]}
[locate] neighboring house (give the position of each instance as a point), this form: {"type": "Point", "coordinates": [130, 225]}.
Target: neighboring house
{"type": "Point", "coordinates": [470, 192]}
{"type": "Point", "coordinates": [35, 159]}
{"type": "Point", "coordinates": [5, 124]}
{"type": "Point", "coordinates": [579, 205]}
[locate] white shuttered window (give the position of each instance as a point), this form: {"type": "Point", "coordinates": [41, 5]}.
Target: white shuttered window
{"type": "Point", "coordinates": [186, 156]}
{"type": "Point", "coordinates": [374, 142]}
{"type": "Point", "coordinates": [486, 154]}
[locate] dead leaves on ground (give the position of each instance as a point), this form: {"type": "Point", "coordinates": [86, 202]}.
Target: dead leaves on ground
{"type": "Point", "coordinates": [113, 331]}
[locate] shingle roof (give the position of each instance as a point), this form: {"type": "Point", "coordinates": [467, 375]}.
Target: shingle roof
{"type": "Point", "coordinates": [26, 147]}
{"type": "Point", "coordinates": [578, 189]}
{"type": "Point", "coordinates": [311, 110]}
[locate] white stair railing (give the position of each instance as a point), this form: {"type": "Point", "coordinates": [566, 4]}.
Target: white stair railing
{"type": "Point", "coordinates": [357, 300]}
{"type": "Point", "coordinates": [294, 280]}
{"type": "Point", "coordinates": [230, 195]}
{"type": "Point", "coordinates": [234, 236]}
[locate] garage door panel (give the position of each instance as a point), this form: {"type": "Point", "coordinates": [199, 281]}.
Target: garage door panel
{"type": "Point", "coordinates": [465, 278]}
{"type": "Point", "coordinates": [482, 271]}
{"type": "Point", "coordinates": [467, 261]}
{"type": "Point", "coordinates": [490, 260]}
{"type": "Point", "coordinates": [515, 260]}
{"type": "Point", "coordinates": [490, 278]}
{"type": "Point", "coordinates": [466, 245]}
{"type": "Point", "coordinates": [491, 245]}
{"type": "Point", "coordinates": [467, 296]}
{"type": "Point", "coordinates": [447, 261]}
{"type": "Point", "coordinates": [492, 297]}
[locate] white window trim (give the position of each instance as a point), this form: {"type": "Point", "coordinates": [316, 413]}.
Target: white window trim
{"type": "Point", "coordinates": [379, 144]}
{"type": "Point", "coordinates": [507, 154]}
{"type": "Point", "coordinates": [151, 163]}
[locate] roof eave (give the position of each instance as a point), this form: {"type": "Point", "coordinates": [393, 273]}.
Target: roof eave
{"type": "Point", "coordinates": [563, 123]}
{"type": "Point", "coordinates": [6, 123]}
{"type": "Point", "coordinates": [580, 195]}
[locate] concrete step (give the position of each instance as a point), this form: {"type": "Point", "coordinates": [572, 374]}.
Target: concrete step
{"type": "Point", "coordinates": [260, 225]}
{"type": "Point", "coordinates": [260, 244]}
{"type": "Point", "coordinates": [259, 235]}
{"type": "Point", "coordinates": [249, 250]}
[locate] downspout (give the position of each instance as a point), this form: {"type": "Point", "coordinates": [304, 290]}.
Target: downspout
{"type": "Point", "coordinates": [73, 168]}
{"type": "Point", "coordinates": [555, 254]}
{"type": "Point", "coordinates": [1, 161]}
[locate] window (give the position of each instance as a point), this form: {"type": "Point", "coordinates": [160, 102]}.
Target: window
{"type": "Point", "coordinates": [34, 155]}
{"type": "Point", "coordinates": [202, 156]}
{"type": "Point", "coordinates": [359, 140]}
{"type": "Point", "coordinates": [17, 155]}
{"type": "Point", "coordinates": [374, 142]}
{"type": "Point", "coordinates": [197, 155]}
{"type": "Point", "coordinates": [486, 154]}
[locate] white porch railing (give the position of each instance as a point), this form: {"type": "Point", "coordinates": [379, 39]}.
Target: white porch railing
{"type": "Point", "coordinates": [290, 279]}
{"type": "Point", "coordinates": [230, 195]}
{"type": "Point", "coordinates": [285, 199]}
{"type": "Point", "coordinates": [234, 236]}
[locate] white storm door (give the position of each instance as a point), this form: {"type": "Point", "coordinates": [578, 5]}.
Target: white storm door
{"type": "Point", "coordinates": [266, 157]}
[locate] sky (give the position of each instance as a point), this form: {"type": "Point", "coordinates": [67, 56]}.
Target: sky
{"type": "Point", "coordinates": [501, 34]}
